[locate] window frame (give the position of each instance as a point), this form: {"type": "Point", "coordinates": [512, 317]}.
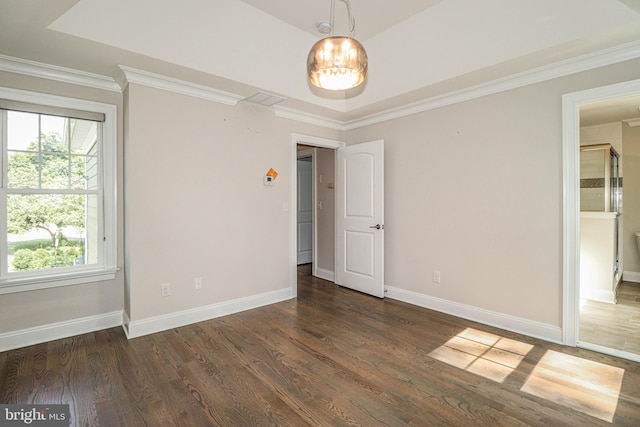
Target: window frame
{"type": "Point", "coordinates": [107, 268]}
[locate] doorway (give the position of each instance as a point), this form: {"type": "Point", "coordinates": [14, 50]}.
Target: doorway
{"type": "Point", "coordinates": [358, 250]}
{"type": "Point", "coordinates": [305, 206]}
{"type": "Point", "coordinates": [573, 104]}
{"type": "Point", "coordinates": [306, 144]}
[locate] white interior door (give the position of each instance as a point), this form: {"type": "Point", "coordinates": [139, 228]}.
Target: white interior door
{"type": "Point", "coordinates": [305, 210]}
{"type": "Point", "coordinates": [360, 217]}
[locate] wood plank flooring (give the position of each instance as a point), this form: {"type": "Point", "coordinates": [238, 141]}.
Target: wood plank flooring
{"type": "Point", "coordinates": [331, 357]}
{"type": "Point", "coordinates": [615, 326]}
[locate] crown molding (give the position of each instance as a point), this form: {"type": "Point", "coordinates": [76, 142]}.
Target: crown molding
{"type": "Point", "coordinates": [314, 119]}
{"type": "Point", "coordinates": [53, 72]}
{"type": "Point", "coordinates": [125, 75]}
{"type": "Point", "coordinates": [613, 55]}
{"type": "Point", "coordinates": [632, 122]}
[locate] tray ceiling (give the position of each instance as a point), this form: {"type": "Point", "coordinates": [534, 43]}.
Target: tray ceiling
{"type": "Point", "coordinates": [417, 48]}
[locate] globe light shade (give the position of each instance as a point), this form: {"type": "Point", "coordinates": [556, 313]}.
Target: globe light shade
{"type": "Point", "coordinates": [337, 63]}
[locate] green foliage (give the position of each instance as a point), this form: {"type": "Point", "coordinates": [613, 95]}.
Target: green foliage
{"type": "Point", "coordinates": [32, 245]}
{"type": "Point", "coordinates": [51, 212]}
{"type": "Point", "coordinates": [48, 165]}
{"type": "Point", "coordinates": [46, 257]}
{"type": "Point", "coordinates": [22, 260]}
{"type": "Point", "coordinates": [32, 260]}
{"type": "Point", "coordinates": [51, 167]}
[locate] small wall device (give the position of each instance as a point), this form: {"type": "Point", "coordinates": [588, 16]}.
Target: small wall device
{"type": "Point", "coordinates": [270, 177]}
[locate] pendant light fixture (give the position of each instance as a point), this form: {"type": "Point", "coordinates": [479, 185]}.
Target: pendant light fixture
{"type": "Point", "coordinates": [337, 62]}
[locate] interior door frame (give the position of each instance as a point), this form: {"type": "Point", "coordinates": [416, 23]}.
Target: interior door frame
{"type": "Point", "coordinates": [312, 141]}
{"type": "Point", "coordinates": [571, 104]}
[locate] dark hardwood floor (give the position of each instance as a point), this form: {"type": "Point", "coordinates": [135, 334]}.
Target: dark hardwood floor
{"type": "Point", "coordinates": [331, 357]}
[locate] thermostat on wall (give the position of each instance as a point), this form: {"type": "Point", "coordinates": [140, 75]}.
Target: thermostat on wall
{"type": "Point", "coordinates": [270, 177]}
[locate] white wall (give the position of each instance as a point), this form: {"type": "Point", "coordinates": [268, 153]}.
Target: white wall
{"type": "Point", "coordinates": [325, 164]}
{"type": "Point", "coordinates": [197, 206]}
{"type": "Point", "coordinates": [474, 190]}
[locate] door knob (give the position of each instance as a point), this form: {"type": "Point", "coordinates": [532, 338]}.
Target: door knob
{"type": "Point", "coordinates": [377, 226]}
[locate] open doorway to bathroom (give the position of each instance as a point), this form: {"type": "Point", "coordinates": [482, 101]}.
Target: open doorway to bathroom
{"type": "Point", "coordinates": [607, 215]}
{"type": "Point", "coordinates": [609, 297]}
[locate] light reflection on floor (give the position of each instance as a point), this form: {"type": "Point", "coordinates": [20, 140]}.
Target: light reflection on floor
{"type": "Point", "coordinates": [589, 387]}
{"type": "Point", "coordinates": [488, 355]}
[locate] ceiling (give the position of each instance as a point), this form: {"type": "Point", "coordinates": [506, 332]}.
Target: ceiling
{"type": "Point", "coordinates": [418, 49]}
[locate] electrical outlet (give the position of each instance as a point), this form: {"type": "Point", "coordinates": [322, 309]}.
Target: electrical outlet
{"type": "Point", "coordinates": [436, 276]}
{"type": "Point", "coordinates": [198, 283]}
{"type": "Point", "coordinates": [165, 290]}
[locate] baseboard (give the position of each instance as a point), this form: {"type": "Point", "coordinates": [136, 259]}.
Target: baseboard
{"type": "Point", "coordinates": [600, 295]}
{"type": "Point", "coordinates": [631, 276]}
{"type": "Point", "coordinates": [492, 318]}
{"type": "Point", "coordinates": [55, 331]}
{"type": "Point", "coordinates": [610, 351]}
{"type": "Point", "coordinates": [325, 274]}
{"type": "Point", "coordinates": [133, 329]}
{"type": "Point", "coordinates": [138, 328]}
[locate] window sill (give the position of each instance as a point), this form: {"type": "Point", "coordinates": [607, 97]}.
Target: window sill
{"type": "Point", "coordinates": [23, 284]}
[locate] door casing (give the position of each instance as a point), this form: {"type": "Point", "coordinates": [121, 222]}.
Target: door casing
{"type": "Point", "coordinates": [312, 141]}
{"type": "Point", "coordinates": [571, 104]}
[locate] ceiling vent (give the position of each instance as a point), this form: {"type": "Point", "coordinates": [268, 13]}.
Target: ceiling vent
{"type": "Point", "coordinates": [264, 99]}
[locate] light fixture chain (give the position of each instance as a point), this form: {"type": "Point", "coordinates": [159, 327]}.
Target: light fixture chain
{"type": "Point", "coordinates": [333, 14]}
{"type": "Point", "coordinates": [352, 20]}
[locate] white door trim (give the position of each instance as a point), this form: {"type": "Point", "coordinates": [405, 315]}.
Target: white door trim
{"type": "Point", "coordinates": [571, 103]}
{"type": "Point", "coordinates": [313, 141]}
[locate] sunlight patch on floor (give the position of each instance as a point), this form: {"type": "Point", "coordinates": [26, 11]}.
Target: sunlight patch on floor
{"type": "Point", "coordinates": [589, 387]}
{"type": "Point", "coordinates": [488, 355]}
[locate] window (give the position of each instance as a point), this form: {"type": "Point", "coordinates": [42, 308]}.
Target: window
{"type": "Point", "coordinates": [57, 198]}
